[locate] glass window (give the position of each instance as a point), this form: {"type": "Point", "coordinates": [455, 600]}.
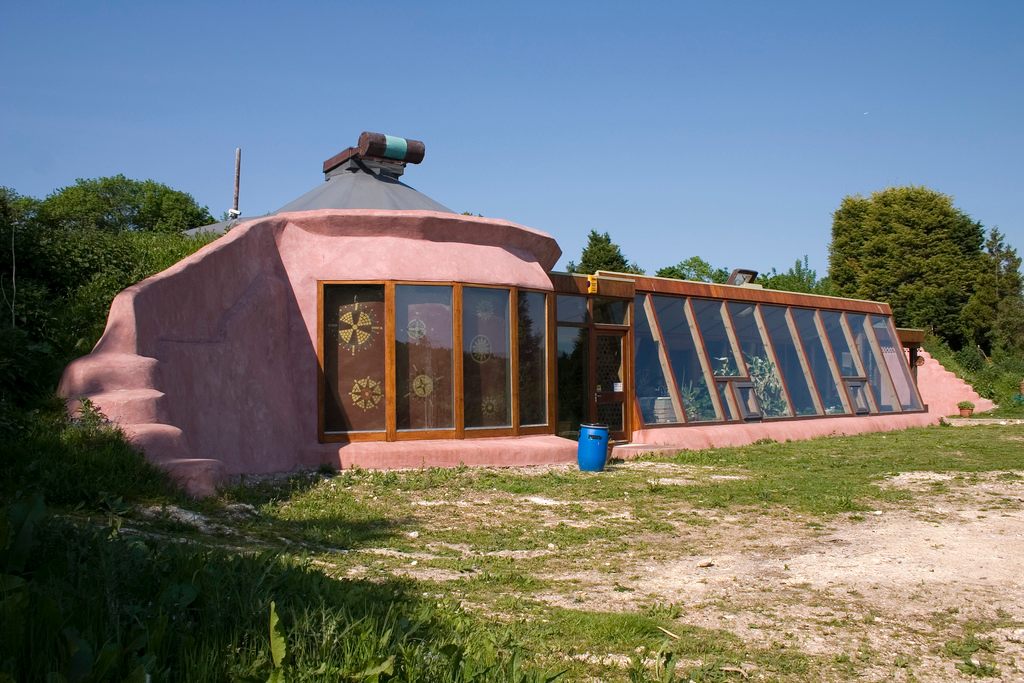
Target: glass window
{"type": "Point", "coordinates": [857, 395]}
{"type": "Point", "coordinates": [716, 341]}
{"type": "Point", "coordinates": [819, 361]}
{"type": "Point", "coordinates": [533, 359]}
{"type": "Point", "coordinates": [833, 324]}
{"type": "Point", "coordinates": [895, 361]}
{"type": "Point", "coordinates": [874, 367]}
{"type": "Point", "coordinates": [354, 348]}
{"type": "Point", "coordinates": [724, 396]}
{"type": "Point", "coordinates": [750, 407]}
{"type": "Point", "coordinates": [789, 357]}
{"type": "Point", "coordinates": [486, 358]}
{"type": "Point", "coordinates": [611, 311]}
{"type": "Point", "coordinates": [650, 366]}
{"type": "Point", "coordinates": [424, 357]}
{"type": "Point", "coordinates": [572, 309]}
{"type": "Point", "coordinates": [685, 359]}
{"type": "Point", "coordinates": [763, 373]}
{"type": "Point", "coordinates": [573, 390]}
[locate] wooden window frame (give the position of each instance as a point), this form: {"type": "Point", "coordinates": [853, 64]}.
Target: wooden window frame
{"type": "Point", "coordinates": [833, 365]}
{"type": "Point", "coordinates": [459, 431]}
{"type": "Point", "coordinates": [877, 346]}
{"type": "Point", "coordinates": [546, 428]}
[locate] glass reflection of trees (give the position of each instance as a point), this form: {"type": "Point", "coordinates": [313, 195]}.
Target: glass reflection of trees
{"type": "Point", "coordinates": [573, 362]}
{"type": "Point", "coordinates": [533, 362]}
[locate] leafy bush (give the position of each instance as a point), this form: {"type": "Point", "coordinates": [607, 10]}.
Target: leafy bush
{"type": "Point", "coordinates": [80, 462]}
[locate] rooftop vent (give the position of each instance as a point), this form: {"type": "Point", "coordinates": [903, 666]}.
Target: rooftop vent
{"type": "Point", "coordinates": [377, 153]}
{"type": "Point", "coordinates": [742, 277]}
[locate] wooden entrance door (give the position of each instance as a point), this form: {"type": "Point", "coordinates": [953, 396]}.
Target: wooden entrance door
{"type": "Point", "coordinates": [608, 378]}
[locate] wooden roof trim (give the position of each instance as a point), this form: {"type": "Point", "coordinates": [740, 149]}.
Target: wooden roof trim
{"type": "Point", "coordinates": [572, 283]}
{"type": "Point", "coordinates": [661, 285]}
{"type": "Point", "coordinates": [910, 336]}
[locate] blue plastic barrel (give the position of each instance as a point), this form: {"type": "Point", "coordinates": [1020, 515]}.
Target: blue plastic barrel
{"type": "Point", "coordinates": [593, 447]}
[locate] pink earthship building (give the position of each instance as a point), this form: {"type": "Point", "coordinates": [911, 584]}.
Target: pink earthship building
{"type": "Point", "coordinates": [364, 324]}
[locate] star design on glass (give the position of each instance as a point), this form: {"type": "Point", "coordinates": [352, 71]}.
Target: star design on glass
{"type": "Point", "coordinates": [416, 329]}
{"type": "Point", "coordinates": [356, 327]}
{"type": "Point", "coordinates": [366, 393]}
{"type": "Point", "coordinates": [422, 386]}
{"type": "Point", "coordinates": [485, 310]}
{"type": "Point", "coordinates": [480, 349]}
{"type": "Point", "coordinates": [491, 406]}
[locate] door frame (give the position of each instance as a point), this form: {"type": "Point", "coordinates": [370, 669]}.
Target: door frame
{"type": "Point", "coordinates": [597, 395]}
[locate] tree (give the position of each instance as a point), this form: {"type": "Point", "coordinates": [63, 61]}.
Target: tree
{"type": "Point", "coordinates": [16, 214]}
{"type": "Point", "coordinates": [694, 268]}
{"type": "Point", "coordinates": [62, 262]}
{"type": "Point", "coordinates": [911, 247]}
{"type": "Point", "coordinates": [991, 313]}
{"type": "Point", "coordinates": [799, 278]}
{"type": "Point", "coordinates": [119, 204]}
{"type": "Point", "coordinates": [602, 254]}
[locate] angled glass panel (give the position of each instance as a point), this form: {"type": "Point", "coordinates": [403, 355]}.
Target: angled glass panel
{"type": "Point", "coordinates": [874, 366]}
{"type": "Point", "coordinates": [724, 395]}
{"type": "Point", "coordinates": [858, 396]}
{"type": "Point", "coordinates": [800, 392]}
{"type": "Point", "coordinates": [573, 387]}
{"type": "Point", "coordinates": [844, 355]}
{"type": "Point", "coordinates": [650, 367]}
{"type": "Point", "coordinates": [424, 357]}
{"type": "Point", "coordinates": [819, 362]}
{"type": "Point", "coordinates": [750, 407]}
{"type": "Point", "coordinates": [716, 340]}
{"type": "Point", "coordinates": [763, 373]}
{"type": "Point", "coordinates": [571, 309]}
{"type": "Point", "coordinates": [486, 358]}
{"type": "Point", "coordinates": [354, 347]}
{"type": "Point", "coordinates": [682, 350]}
{"type": "Point", "coordinates": [895, 361]}
{"type": "Point", "coordinates": [533, 359]}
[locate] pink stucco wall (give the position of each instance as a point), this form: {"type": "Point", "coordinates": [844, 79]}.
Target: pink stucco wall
{"type": "Point", "coordinates": [211, 365]}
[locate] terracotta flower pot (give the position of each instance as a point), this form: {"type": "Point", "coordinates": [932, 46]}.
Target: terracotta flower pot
{"type": "Point", "coordinates": [966, 412]}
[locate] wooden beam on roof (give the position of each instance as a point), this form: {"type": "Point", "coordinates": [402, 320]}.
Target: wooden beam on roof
{"type": "Point", "coordinates": [661, 285]}
{"type": "Point", "coordinates": [910, 337]}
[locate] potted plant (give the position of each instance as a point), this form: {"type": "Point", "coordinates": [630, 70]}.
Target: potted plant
{"type": "Point", "coordinates": [966, 408]}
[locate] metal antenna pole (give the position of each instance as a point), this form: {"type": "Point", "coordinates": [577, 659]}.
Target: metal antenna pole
{"type": "Point", "coordinates": [238, 175]}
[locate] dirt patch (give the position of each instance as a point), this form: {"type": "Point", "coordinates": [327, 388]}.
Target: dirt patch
{"type": "Point", "coordinates": [888, 590]}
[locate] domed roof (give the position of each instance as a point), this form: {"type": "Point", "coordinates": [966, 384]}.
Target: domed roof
{"type": "Point", "coordinates": [363, 177]}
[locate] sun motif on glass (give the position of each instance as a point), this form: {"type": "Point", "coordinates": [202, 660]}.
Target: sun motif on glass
{"type": "Point", "coordinates": [356, 327]}
{"type": "Point", "coordinates": [485, 310]}
{"type": "Point", "coordinates": [422, 386]}
{"type": "Point", "coordinates": [366, 393]}
{"type": "Point", "coordinates": [480, 349]}
{"type": "Point", "coordinates": [491, 406]}
{"type": "Point", "coordinates": [416, 329]}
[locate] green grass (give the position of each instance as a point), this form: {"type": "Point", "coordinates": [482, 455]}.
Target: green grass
{"type": "Point", "coordinates": [84, 462]}
{"type": "Point", "coordinates": [821, 477]}
{"type": "Point", "coordinates": [86, 603]}
{"type": "Point", "coordinates": [88, 598]}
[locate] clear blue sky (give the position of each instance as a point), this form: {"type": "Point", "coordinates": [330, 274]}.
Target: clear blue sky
{"type": "Point", "coordinates": [728, 130]}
